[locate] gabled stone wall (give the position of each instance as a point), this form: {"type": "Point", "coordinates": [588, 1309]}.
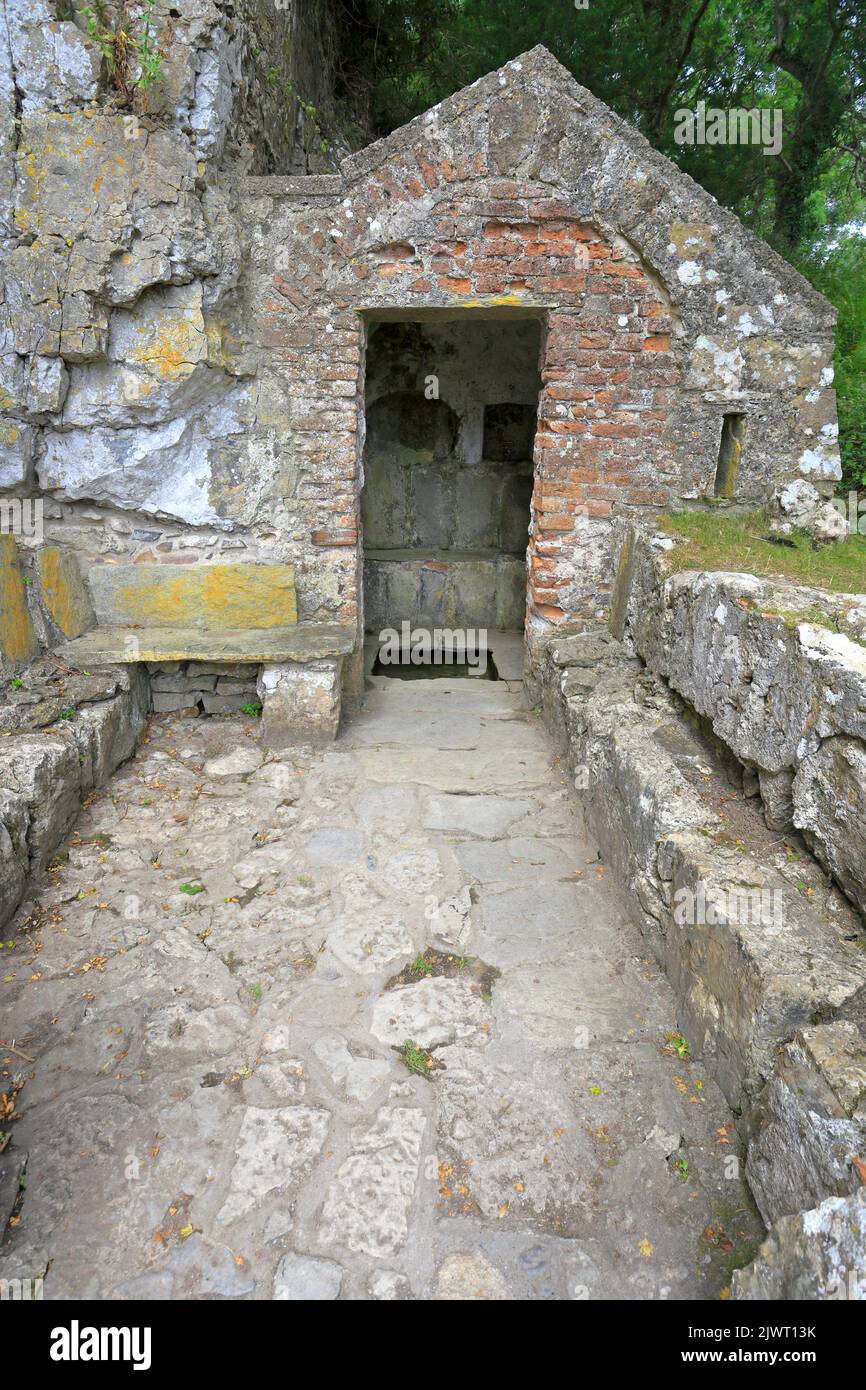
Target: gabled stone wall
{"type": "Point", "coordinates": [523, 194]}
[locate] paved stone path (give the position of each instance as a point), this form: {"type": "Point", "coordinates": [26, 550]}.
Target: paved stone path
{"type": "Point", "coordinates": [216, 1105]}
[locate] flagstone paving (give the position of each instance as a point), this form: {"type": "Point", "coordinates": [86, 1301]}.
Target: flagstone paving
{"type": "Point", "coordinates": [215, 986]}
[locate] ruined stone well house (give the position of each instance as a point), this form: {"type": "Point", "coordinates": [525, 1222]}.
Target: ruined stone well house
{"type": "Point", "coordinates": [417, 388]}
{"type": "Point", "coordinates": [268, 411]}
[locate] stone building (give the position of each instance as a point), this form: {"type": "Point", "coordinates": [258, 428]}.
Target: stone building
{"type": "Point", "coordinates": [263, 396]}
{"type": "Point", "coordinates": [424, 384]}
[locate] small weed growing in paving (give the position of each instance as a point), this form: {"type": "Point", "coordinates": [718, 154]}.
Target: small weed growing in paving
{"type": "Point", "coordinates": [251, 708]}
{"type": "Point", "coordinates": [678, 1044]}
{"type": "Point", "coordinates": [67, 714]}
{"type": "Point", "coordinates": [682, 1167]}
{"type": "Point", "coordinates": [17, 683]}
{"type": "Point", "coordinates": [416, 1059]}
{"type": "Point", "coordinates": [191, 888]}
{"type": "Point", "coordinates": [421, 966]}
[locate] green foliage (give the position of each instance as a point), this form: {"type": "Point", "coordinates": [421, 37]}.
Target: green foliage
{"type": "Point", "coordinates": [421, 966]}
{"type": "Point", "coordinates": [127, 42]}
{"type": "Point", "coordinates": [841, 276]}
{"type": "Point", "coordinates": [252, 708]}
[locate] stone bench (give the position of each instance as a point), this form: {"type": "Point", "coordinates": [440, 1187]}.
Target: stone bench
{"type": "Point", "coordinates": [232, 614]}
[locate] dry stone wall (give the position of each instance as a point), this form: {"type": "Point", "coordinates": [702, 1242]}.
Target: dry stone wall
{"type": "Point", "coordinates": [62, 735]}
{"type": "Point", "coordinates": [766, 959]}
{"type": "Point", "coordinates": [764, 680]}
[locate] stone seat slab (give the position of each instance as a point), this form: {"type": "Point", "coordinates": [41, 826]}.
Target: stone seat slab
{"type": "Point", "coordinates": [302, 642]}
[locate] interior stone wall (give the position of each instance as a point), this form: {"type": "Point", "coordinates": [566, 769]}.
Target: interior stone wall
{"type": "Point", "coordinates": [450, 424]}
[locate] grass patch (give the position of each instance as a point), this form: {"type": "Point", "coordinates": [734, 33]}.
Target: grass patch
{"type": "Point", "coordinates": [738, 541]}
{"type": "Point", "coordinates": [417, 1059]}
{"type": "Point", "coordinates": [421, 966]}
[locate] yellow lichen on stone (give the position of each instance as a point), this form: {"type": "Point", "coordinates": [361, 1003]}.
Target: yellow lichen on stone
{"type": "Point", "coordinates": [223, 346]}
{"type": "Point", "coordinates": [206, 596]}
{"type": "Point", "coordinates": [17, 639]}
{"type": "Point", "coordinates": [63, 591]}
{"type": "Point", "coordinates": [692, 238]}
{"type": "Point", "coordinates": [174, 345]}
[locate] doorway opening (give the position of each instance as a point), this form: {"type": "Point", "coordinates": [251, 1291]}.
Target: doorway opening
{"type": "Point", "coordinates": [451, 408]}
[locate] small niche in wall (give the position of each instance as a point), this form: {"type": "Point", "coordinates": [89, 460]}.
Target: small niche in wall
{"type": "Point", "coordinates": [730, 449]}
{"type": "Point", "coordinates": [509, 432]}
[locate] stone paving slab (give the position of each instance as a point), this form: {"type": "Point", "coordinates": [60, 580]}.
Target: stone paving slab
{"type": "Point", "coordinates": [218, 1105]}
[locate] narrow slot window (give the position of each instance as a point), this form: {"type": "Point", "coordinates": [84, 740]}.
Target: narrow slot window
{"type": "Point", "coordinates": [730, 450]}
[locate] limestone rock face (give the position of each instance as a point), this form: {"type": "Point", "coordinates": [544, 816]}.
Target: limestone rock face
{"type": "Point", "coordinates": [816, 1254]}
{"type": "Point", "coordinates": [798, 505]}
{"type": "Point", "coordinates": [53, 60]}
{"type": "Point", "coordinates": [124, 352]}
{"type": "Point", "coordinates": [810, 1122]}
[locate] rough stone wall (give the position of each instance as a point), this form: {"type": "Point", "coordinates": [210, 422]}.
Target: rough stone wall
{"type": "Point", "coordinates": [126, 379]}
{"type": "Point", "coordinates": [63, 735]}
{"type": "Point", "coordinates": [663, 315]}
{"type": "Point", "coordinates": [780, 672]}
{"type": "Point", "coordinates": [764, 955]}
{"type": "Point", "coordinates": [754, 945]}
